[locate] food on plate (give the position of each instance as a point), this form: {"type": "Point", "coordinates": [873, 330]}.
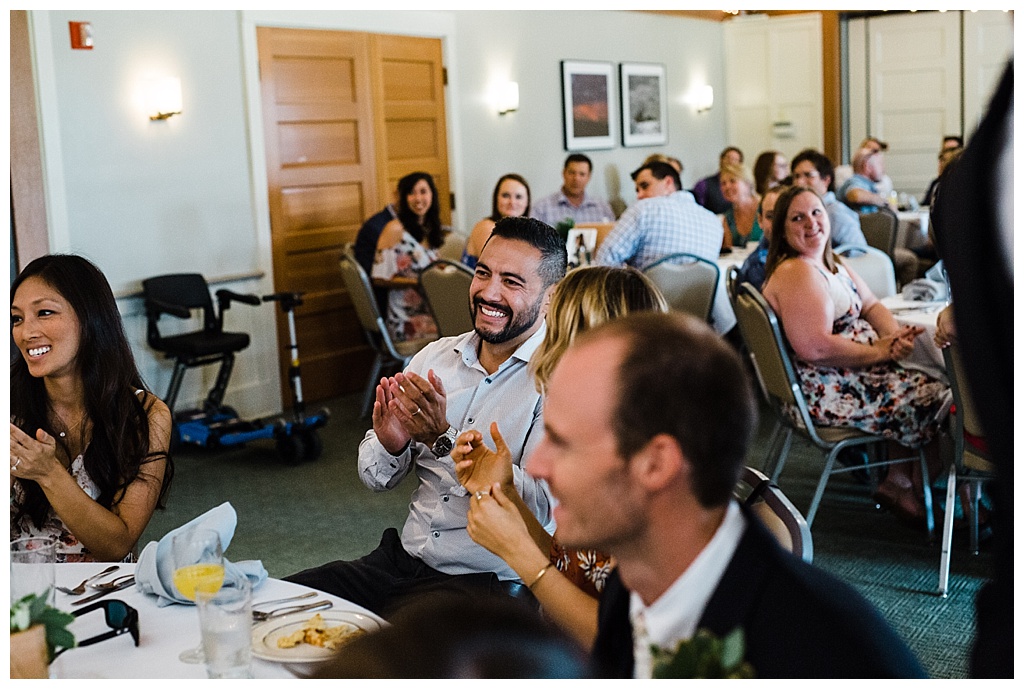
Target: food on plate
{"type": "Point", "coordinates": [316, 633]}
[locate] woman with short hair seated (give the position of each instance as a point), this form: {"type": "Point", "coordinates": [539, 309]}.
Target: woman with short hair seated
{"type": "Point", "coordinates": [567, 583]}
{"type": "Point", "coordinates": [847, 346]}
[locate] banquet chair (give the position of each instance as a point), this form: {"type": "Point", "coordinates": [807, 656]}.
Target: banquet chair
{"type": "Point", "coordinates": [388, 353]}
{"type": "Point", "coordinates": [777, 375]}
{"type": "Point", "coordinates": [970, 463]}
{"type": "Point", "coordinates": [177, 295]}
{"type": "Point", "coordinates": [880, 229]}
{"type": "Point", "coordinates": [688, 286]}
{"type": "Point", "coordinates": [779, 515]}
{"type": "Point", "coordinates": [446, 287]}
{"type": "Point", "coordinates": [873, 266]}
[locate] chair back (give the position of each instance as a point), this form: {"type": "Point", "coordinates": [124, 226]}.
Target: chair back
{"type": "Point", "coordinates": [452, 247]}
{"type": "Point", "coordinates": [762, 333]}
{"type": "Point", "coordinates": [171, 293]}
{"type": "Point", "coordinates": [880, 229]}
{"type": "Point", "coordinates": [361, 293]}
{"type": "Point", "coordinates": [873, 266]}
{"type": "Point", "coordinates": [446, 287]}
{"type": "Point", "coordinates": [688, 282]}
{"type": "Point", "coordinates": [779, 515]}
{"type": "Point", "coordinates": [966, 417]}
{"type": "Point", "coordinates": [732, 276]}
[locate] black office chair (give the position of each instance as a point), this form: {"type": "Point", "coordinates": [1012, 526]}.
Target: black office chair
{"type": "Point", "coordinates": [177, 295]}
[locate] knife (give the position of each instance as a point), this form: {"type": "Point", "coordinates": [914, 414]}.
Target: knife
{"type": "Point", "coordinates": [87, 599]}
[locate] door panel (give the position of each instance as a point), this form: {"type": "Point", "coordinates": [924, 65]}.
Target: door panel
{"type": "Point", "coordinates": [318, 120]}
{"type": "Point", "coordinates": [913, 91]}
{"type": "Point", "coordinates": [410, 113]}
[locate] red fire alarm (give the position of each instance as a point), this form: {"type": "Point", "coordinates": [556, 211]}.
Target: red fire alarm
{"type": "Point", "coordinates": [81, 35]}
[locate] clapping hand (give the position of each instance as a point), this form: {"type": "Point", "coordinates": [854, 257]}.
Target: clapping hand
{"type": "Point", "coordinates": [420, 405]}
{"type": "Point", "coordinates": [388, 427]}
{"type": "Point", "coordinates": [901, 343]}
{"type": "Point", "coordinates": [494, 522]}
{"type": "Point", "coordinates": [476, 466]}
{"type": "Point", "coordinates": [32, 458]}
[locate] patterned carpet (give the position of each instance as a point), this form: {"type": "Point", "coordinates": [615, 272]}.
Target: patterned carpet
{"type": "Point", "coordinates": [297, 517]}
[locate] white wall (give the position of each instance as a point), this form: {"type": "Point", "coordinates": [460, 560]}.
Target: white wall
{"type": "Point", "coordinates": [143, 198]}
{"type": "Point", "coordinates": [528, 47]}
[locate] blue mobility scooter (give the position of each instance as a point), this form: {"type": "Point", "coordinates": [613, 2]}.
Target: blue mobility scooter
{"type": "Point", "coordinates": [216, 424]}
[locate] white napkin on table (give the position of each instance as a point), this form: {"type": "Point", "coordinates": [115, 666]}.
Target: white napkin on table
{"type": "Point", "coordinates": [154, 573]}
{"type": "Point", "coordinates": [924, 289]}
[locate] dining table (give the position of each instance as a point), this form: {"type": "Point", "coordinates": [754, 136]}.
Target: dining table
{"type": "Point", "coordinates": [926, 356]}
{"type": "Point", "coordinates": [164, 632]}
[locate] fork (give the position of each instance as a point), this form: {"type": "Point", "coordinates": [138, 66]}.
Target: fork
{"type": "Point", "coordinates": [80, 589]}
{"type": "Point", "coordinates": [112, 584]}
{"type": "Point", "coordinates": [258, 616]}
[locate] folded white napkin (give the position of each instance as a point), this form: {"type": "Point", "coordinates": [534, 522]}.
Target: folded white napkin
{"type": "Point", "coordinates": [924, 289]}
{"type": "Point", "coordinates": [154, 572]}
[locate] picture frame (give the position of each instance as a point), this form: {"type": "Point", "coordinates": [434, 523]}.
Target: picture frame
{"type": "Point", "coordinates": [644, 104]}
{"type": "Point", "coordinates": [581, 245]}
{"type": "Point", "coordinates": [588, 116]}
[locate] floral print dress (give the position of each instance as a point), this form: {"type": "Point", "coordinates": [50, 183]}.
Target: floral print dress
{"type": "Point", "coordinates": [903, 405]}
{"type": "Point", "coordinates": [68, 547]}
{"type": "Point", "coordinates": [587, 569]}
{"type": "Point", "coordinates": [408, 316]}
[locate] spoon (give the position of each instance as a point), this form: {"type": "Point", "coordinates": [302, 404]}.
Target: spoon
{"type": "Point", "coordinates": [80, 589]}
{"type": "Point", "coordinates": [112, 584]}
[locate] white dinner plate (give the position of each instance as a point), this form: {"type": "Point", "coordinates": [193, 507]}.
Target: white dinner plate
{"type": "Point", "coordinates": [266, 633]}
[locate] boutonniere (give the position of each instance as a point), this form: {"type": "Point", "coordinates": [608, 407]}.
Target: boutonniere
{"type": "Point", "coordinates": [703, 656]}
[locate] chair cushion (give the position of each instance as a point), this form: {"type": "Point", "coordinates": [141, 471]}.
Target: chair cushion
{"type": "Point", "coordinates": [204, 343]}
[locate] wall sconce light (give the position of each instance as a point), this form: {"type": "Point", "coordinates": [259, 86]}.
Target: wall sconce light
{"type": "Point", "coordinates": [508, 97]}
{"type": "Point", "coordinates": [703, 98]}
{"type": "Point", "coordinates": [163, 98]}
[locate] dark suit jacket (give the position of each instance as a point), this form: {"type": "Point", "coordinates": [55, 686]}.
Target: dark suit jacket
{"type": "Point", "coordinates": [968, 234]}
{"type": "Point", "coordinates": [798, 621]}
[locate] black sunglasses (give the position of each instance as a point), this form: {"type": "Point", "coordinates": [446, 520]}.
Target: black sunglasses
{"type": "Point", "coordinates": [120, 617]}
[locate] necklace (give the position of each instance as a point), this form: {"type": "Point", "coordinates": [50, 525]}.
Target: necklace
{"type": "Point", "coordinates": [64, 434]}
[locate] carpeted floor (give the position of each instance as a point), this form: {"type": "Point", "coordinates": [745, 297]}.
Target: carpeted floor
{"type": "Point", "coordinates": [294, 517]}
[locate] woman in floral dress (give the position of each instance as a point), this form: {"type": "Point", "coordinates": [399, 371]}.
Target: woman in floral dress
{"type": "Point", "coordinates": [847, 346]}
{"type": "Point", "coordinates": [407, 245]}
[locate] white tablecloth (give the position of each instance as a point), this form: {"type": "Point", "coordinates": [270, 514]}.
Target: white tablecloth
{"type": "Point", "coordinates": [163, 633]}
{"type": "Point", "coordinates": [926, 356]}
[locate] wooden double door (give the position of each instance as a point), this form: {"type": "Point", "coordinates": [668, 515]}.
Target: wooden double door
{"type": "Point", "coordinates": [346, 115]}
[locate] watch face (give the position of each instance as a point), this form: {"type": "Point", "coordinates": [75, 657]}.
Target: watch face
{"type": "Point", "coordinates": [443, 446]}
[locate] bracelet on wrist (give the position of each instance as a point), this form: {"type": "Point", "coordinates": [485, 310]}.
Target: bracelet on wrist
{"type": "Point", "coordinates": [540, 574]}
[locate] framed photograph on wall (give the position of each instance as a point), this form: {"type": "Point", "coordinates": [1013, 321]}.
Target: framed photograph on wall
{"type": "Point", "coordinates": [644, 104]}
{"type": "Point", "coordinates": [587, 112]}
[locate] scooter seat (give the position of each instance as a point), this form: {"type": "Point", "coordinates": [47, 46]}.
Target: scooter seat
{"type": "Point", "coordinates": [203, 343]}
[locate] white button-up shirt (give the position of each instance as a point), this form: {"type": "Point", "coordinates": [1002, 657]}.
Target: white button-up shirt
{"type": "Point", "coordinates": [674, 616]}
{"type": "Point", "coordinates": [435, 530]}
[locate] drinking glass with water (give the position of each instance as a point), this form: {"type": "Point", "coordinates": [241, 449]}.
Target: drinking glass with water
{"type": "Point", "coordinates": [225, 621]}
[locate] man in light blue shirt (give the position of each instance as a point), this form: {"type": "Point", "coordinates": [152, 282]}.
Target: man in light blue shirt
{"type": "Point", "coordinates": [860, 192]}
{"type": "Point", "coordinates": [668, 221]}
{"type": "Point", "coordinates": [453, 385]}
{"type": "Point", "coordinates": [572, 201]}
{"type": "Point", "coordinates": [813, 170]}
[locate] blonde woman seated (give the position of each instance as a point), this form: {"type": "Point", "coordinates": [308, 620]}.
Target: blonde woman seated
{"type": "Point", "coordinates": [847, 345]}
{"type": "Point", "coordinates": [511, 199]}
{"type": "Point", "coordinates": [739, 221]}
{"type": "Point", "coordinates": [567, 583]}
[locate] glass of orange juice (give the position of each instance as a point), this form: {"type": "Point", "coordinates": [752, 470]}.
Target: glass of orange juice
{"type": "Point", "coordinates": [198, 567]}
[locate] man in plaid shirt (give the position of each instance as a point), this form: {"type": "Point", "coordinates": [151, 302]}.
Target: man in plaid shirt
{"type": "Point", "coordinates": [666, 220]}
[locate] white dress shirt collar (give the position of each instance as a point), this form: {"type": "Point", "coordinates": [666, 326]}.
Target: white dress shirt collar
{"type": "Point", "coordinates": [675, 614]}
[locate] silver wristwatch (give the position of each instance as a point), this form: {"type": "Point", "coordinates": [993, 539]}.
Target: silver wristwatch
{"type": "Point", "coordinates": [445, 442]}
